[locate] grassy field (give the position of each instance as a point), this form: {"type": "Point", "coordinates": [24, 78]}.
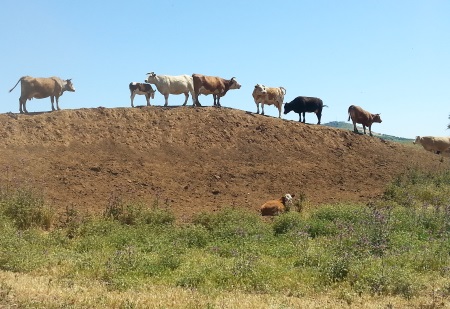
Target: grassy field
{"type": "Point", "coordinates": [390, 253]}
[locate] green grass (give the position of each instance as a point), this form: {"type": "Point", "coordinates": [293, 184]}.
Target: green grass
{"type": "Point", "coordinates": [399, 245]}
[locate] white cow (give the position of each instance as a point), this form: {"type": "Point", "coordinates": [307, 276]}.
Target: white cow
{"type": "Point", "coordinates": [268, 95]}
{"type": "Point", "coordinates": [167, 84]}
{"type": "Point", "coordinates": [433, 143]}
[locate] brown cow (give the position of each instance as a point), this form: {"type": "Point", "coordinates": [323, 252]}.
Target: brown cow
{"type": "Point", "coordinates": [140, 88]}
{"type": "Point", "coordinates": [358, 115]}
{"type": "Point", "coordinates": [275, 207]}
{"type": "Point", "coordinates": [268, 95]}
{"type": "Point", "coordinates": [212, 85]}
{"type": "Point", "coordinates": [39, 88]}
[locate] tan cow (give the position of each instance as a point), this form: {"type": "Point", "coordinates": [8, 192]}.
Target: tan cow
{"type": "Point", "coordinates": [40, 87]}
{"type": "Point", "coordinates": [434, 143]}
{"type": "Point", "coordinates": [359, 115]}
{"type": "Point", "coordinates": [275, 207]}
{"type": "Point", "coordinates": [212, 85]}
{"type": "Point", "coordinates": [270, 96]}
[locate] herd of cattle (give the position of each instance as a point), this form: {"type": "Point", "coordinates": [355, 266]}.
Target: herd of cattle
{"type": "Point", "coordinates": [196, 84]}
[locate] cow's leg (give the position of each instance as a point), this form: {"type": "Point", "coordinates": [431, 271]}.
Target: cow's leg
{"type": "Point", "coordinates": [23, 103]}
{"type": "Point", "coordinates": [186, 94]}
{"type": "Point", "coordinates": [52, 99]}
{"type": "Point", "coordinates": [354, 127]}
{"type": "Point", "coordinates": [147, 96]}
{"type": "Point", "coordinates": [319, 116]}
{"type": "Point", "coordinates": [257, 108]}
{"type": "Point", "coordinates": [370, 131]}
{"type": "Point", "coordinates": [218, 101]}
{"type": "Point", "coordinates": [57, 102]}
{"type": "Point", "coordinates": [364, 128]}
{"type": "Point", "coordinates": [196, 101]}
{"type": "Point", "coordinates": [166, 97]}
{"type": "Point", "coordinates": [132, 98]}
{"type": "Point", "coordinates": [262, 108]}
{"type": "Point", "coordinates": [304, 118]}
{"type": "Point", "coordinates": [279, 111]}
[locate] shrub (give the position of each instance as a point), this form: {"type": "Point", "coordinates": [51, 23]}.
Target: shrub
{"type": "Point", "coordinates": [27, 209]}
{"type": "Point", "coordinates": [232, 223]}
{"type": "Point", "coordinates": [137, 213]}
{"type": "Point", "coordinates": [288, 222]}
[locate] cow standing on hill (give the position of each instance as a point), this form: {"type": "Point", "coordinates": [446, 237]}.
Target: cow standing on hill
{"type": "Point", "coordinates": [140, 88]}
{"type": "Point", "coordinates": [167, 84]}
{"type": "Point", "coordinates": [302, 105]}
{"type": "Point", "coordinates": [359, 115]}
{"type": "Point", "coordinates": [40, 87]}
{"type": "Point", "coordinates": [216, 86]}
{"type": "Point", "coordinates": [268, 95]}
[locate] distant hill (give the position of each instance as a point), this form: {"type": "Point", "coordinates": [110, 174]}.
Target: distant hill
{"type": "Point", "coordinates": [349, 126]}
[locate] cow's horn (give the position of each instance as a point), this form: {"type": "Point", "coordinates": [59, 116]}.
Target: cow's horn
{"type": "Point", "coordinates": [151, 73]}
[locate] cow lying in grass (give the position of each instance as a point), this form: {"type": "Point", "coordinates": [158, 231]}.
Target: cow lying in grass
{"type": "Point", "coordinates": [275, 207]}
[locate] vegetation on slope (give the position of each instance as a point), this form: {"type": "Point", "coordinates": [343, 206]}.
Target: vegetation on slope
{"type": "Point", "coordinates": [349, 126]}
{"type": "Point", "coordinates": [395, 247]}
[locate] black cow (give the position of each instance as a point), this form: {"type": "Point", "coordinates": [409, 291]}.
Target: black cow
{"type": "Point", "coordinates": [302, 105]}
{"type": "Point", "coordinates": [140, 88]}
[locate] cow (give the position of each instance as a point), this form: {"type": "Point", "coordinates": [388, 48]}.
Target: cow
{"type": "Point", "coordinates": [212, 85]}
{"type": "Point", "coordinates": [140, 88]}
{"type": "Point", "coordinates": [167, 84]}
{"type": "Point", "coordinates": [42, 87]}
{"type": "Point", "coordinates": [268, 95]}
{"type": "Point", "coordinates": [302, 105]}
{"type": "Point", "coordinates": [275, 207]}
{"type": "Point", "coordinates": [359, 115]}
{"type": "Point", "coordinates": [434, 144]}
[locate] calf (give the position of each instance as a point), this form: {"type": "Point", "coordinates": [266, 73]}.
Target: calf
{"type": "Point", "coordinates": [42, 87]}
{"type": "Point", "coordinates": [268, 95]}
{"type": "Point", "coordinates": [212, 85]}
{"type": "Point", "coordinates": [167, 84]}
{"type": "Point", "coordinates": [358, 115]}
{"type": "Point", "coordinates": [140, 88]}
{"type": "Point", "coordinates": [302, 105]}
{"type": "Point", "coordinates": [434, 144]}
{"type": "Point", "coordinates": [275, 207]}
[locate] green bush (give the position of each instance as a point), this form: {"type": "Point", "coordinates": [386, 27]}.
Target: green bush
{"type": "Point", "coordinates": [26, 209]}
{"type": "Point", "coordinates": [288, 222]}
{"type": "Point", "coordinates": [132, 213]}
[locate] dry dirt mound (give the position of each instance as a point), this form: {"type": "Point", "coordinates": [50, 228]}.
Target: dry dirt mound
{"type": "Point", "coordinates": [196, 159]}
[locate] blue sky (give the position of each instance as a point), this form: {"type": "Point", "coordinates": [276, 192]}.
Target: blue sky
{"type": "Point", "coordinates": [390, 57]}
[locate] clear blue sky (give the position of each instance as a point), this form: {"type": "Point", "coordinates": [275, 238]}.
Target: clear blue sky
{"type": "Point", "coordinates": [390, 57]}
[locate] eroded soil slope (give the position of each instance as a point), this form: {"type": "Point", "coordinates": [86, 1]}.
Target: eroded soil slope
{"type": "Point", "coordinates": [196, 159]}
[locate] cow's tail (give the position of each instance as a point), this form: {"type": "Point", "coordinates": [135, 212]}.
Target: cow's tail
{"type": "Point", "coordinates": [16, 83]}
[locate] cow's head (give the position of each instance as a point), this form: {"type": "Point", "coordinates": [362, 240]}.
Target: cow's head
{"type": "Point", "coordinates": [234, 84]}
{"type": "Point", "coordinates": [376, 118]}
{"type": "Point", "coordinates": [417, 140]}
{"type": "Point", "coordinates": [152, 92]}
{"type": "Point", "coordinates": [287, 108]}
{"type": "Point", "coordinates": [287, 200]}
{"type": "Point", "coordinates": [69, 86]}
{"type": "Point", "coordinates": [260, 89]}
{"type": "Point", "coordinates": [151, 77]}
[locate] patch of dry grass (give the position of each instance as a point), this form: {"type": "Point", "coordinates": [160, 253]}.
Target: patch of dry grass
{"type": "Point", "coordinates": [25, 291]}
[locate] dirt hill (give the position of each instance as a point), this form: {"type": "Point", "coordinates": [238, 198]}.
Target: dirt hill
{"type": "Point", "coordinates": [196, 159]}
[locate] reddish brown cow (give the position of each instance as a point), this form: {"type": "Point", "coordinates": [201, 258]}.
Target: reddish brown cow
{"type": "Point", "coordinates": [359, 115]}
{"type": "Point", "coordinates": [275, 207]}
{"type": "Point", "coordinates": [212, 85]}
